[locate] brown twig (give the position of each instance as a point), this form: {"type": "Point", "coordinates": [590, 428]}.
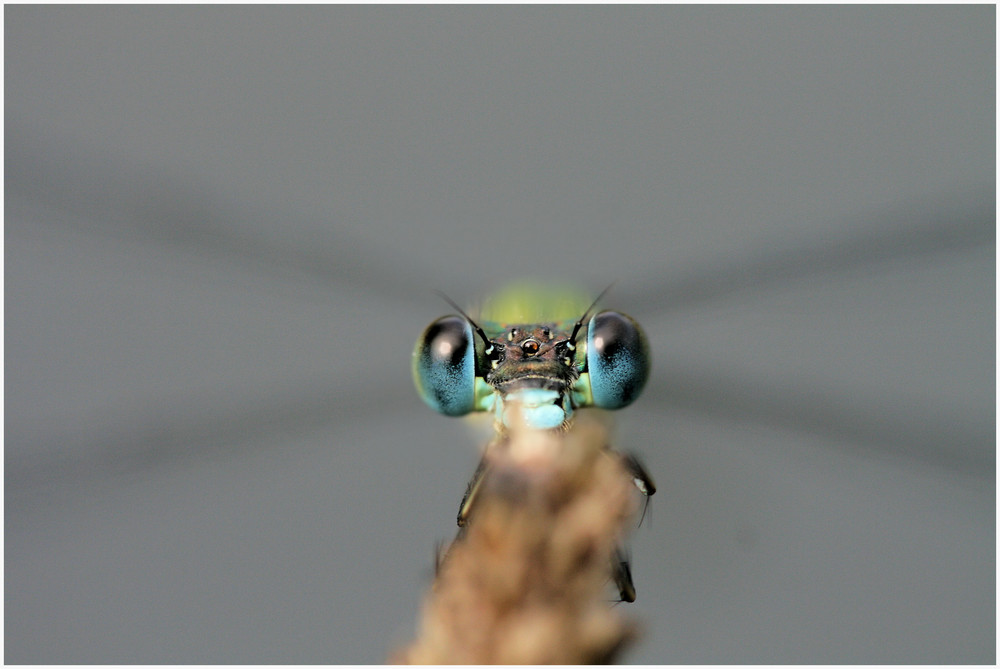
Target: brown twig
{"type": "Point", "coordinates": [526, 580]}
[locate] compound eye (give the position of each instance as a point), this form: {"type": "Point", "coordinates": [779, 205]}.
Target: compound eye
{"type": "Point", "coordinates": [617, 359]}
{"type": "Point", "coordinates": [444, 366]}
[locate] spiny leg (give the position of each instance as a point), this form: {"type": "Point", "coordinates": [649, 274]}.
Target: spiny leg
{"type": "Point", "coordinates": [621, 572]}
{"type": "Point", "coordinates": [641, 478]}
{"type": "Point", "coordinates": [621, 569]}
{"type": "Point", "coordinates": [471, 492]}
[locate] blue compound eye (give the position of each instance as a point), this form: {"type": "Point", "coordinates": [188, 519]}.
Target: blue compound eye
{"type": "Point", "coordinates": [444, 366]}
{"type": "Point", "coordinates": [617, 359]}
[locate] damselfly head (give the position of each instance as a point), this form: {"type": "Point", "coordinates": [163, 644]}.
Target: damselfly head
{"type": "Point", "coordinates": [549, 368]}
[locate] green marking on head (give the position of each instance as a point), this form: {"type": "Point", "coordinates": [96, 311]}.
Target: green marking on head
{"type": "Point", "coordinates": [535, 302]}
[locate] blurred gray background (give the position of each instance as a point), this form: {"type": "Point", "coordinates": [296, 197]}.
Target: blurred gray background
{"type": "Point", "coordinates": [224, 227]}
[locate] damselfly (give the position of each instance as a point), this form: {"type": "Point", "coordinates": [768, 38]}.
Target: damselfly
{"type": "Point", "coordinates": [544, 353]}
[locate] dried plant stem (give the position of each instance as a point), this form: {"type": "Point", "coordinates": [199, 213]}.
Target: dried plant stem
{"type": "Point", "coordinates": [526, 580]}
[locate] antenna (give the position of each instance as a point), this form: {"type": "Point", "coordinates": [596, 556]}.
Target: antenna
{"type": "Point", "coordinates": [579, 323]}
